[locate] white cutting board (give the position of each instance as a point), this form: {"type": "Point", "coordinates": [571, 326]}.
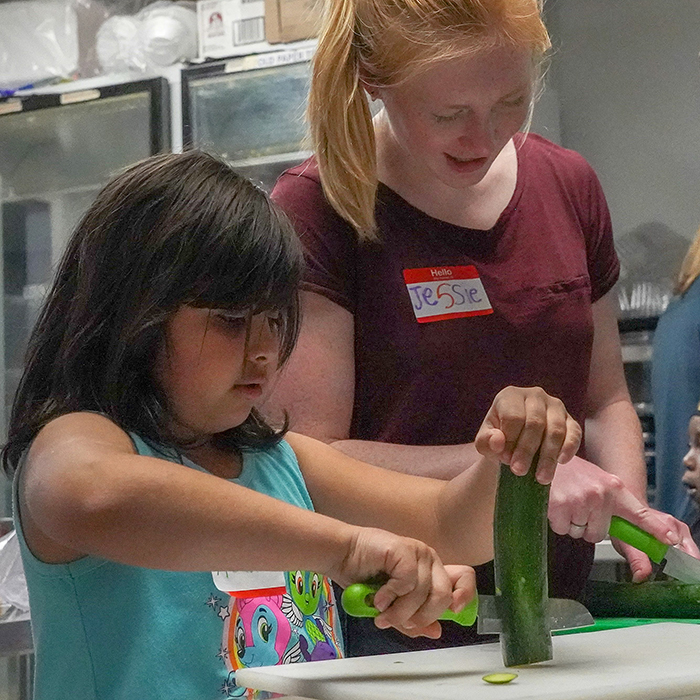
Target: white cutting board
{"type": "Point", "coordinates": [634, 663]}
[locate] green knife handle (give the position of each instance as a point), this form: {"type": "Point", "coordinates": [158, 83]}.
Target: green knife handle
{"type": "Point", "coordinates": [631, 534]}
{"type": "Point", "coordinates": [357, 601]}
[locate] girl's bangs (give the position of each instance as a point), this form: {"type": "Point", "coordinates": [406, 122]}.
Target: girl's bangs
{"type": "Point", "coordinates": [250, 295]}
{"type": "Point", "coordinates": [263, 277]}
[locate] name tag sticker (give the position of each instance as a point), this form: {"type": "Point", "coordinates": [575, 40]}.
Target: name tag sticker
{"type": "Point", "coordinates": [441, 293]}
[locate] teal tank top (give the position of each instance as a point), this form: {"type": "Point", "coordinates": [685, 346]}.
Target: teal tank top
{"type": "Point", "coordinates": [108, 631]}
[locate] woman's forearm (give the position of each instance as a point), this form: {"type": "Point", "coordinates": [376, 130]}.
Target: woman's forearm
{"type": "Point", "coordinates": [438, 462]}
{"type": "Point", "coordinates": [614, 442]}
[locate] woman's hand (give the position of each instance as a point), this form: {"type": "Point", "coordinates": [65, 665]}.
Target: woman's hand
{"type": "Point", "coordinates": [584, 497]}
{"type": "Point", "coordinates": [522, 421]}
{"type": "Point", "coordinates": [653, 521]}
{"type": "Point", "coordinates": [419, 587]}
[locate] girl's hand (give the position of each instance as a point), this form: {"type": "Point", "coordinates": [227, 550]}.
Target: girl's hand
{"type": "Point", "coordinates": [584, 497]}
{"type": "Point", "coordinates": [522, 421]}
{"type": "Point", "coordinates": [419, 587]}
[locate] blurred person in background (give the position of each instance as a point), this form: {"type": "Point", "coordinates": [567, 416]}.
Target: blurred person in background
{"type": "Point", "coordinates": [675, 385]}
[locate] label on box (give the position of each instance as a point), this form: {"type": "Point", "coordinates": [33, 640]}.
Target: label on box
{"type": "Point", "coordinates": [230, 27]}
{"type": "Point", "coordinates": [273, 59]}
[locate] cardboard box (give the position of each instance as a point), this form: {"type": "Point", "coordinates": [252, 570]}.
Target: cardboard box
{"type": "Point", "coordinates": [231, 28]}
{"type": "Point", "coordinates": [292, 20]}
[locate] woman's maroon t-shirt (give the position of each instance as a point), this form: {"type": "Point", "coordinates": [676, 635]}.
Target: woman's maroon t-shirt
{"type": "Point", "coordinates": [508, 306]}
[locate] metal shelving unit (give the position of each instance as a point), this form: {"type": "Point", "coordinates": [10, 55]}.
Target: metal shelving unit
{"type": "Point", "coordinates": [57, 149]}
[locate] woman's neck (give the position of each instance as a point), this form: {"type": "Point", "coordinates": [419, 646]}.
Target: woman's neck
{"type": "Point", "coordinates": [477, 206]}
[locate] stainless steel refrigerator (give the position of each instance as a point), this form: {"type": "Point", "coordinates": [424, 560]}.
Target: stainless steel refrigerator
{"type": "Point", "coordinates": [250, 110]}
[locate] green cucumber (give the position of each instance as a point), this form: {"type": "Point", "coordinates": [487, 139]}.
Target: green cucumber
{"type": "Point", "coordinates": [520, 564]}
{"type": "Point", "coordinates": [650, 599]}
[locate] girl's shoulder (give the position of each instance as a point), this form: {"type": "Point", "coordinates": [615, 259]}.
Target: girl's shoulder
{"type": "Point", "coordinates": [82, 429]}
{"type": "Point", "coordinates": [276, 471]}
{"type": "Point", "coordinates": [45, 489]}
{"type": "Point", "coordinates": [89, 423]}
{"type": "Point", "coordinates": [299, 188]}
{"type": "Point", "coordinates": [303, 173]}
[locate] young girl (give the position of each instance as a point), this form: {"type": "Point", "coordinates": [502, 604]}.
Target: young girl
{"type": "Point", "coordinates": [141, 463]}
{"type": "Point", "coordinates": [691, 474]}
{"type": "Point", "coordinates": [450, 255]}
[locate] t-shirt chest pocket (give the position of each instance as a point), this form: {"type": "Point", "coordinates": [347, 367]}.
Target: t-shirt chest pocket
{"type": "Point", "coordinates": [537, 308]}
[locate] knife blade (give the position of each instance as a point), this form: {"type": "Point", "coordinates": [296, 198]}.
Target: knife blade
{"type": "Point", "coordinates": [357, 600]}
{"type": "Point", "coordinates": [677, 563]}
{"type": "Point", "coordinates": [562, 614]}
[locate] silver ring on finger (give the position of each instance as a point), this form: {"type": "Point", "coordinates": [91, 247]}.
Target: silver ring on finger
{"type": "Point", "coordinates": [577, 531]}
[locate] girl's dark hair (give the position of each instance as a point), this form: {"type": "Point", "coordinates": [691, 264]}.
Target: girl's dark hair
{"type": "Point", "coordinates": [173, 229]}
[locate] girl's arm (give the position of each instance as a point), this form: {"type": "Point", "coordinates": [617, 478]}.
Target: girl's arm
{"type": "Point", "coordinates": [414, 506]}
{"type": "Point", "coordinates": [83, 487]}
{"type": "Point", "coordinates": [613, 433]}
{"type": "Point", "coordinates": [317, 385]}
{"type": "Point", "coordinates": [455, 517]}
{"type": "Point", "coordinates": [83, 490]}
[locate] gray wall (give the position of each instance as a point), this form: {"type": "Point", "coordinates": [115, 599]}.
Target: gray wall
{"type": "Point", "coordinates": [626, 77]}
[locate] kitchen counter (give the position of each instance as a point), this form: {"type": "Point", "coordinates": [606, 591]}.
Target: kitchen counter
{"type": "Point", "coordinates": [651, 662]}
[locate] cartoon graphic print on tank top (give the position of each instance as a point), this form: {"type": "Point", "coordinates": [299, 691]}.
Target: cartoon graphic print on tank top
{"type": "Point", "coordinates": [299, 625]}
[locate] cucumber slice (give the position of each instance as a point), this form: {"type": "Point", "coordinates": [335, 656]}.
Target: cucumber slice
{"type": "Point", "coordinates": [499, 678]}
{"type": "Point", "coordinates": [520, 564]}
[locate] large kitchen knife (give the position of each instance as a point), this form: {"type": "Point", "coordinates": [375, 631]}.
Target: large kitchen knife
{"type": "Point", "coordinates": [677, 563]}
{"type": "Point", "coordinates": [357, 600]}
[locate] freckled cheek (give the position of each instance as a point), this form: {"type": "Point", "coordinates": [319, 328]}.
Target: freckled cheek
{"type": "Point", "coordinates": [510, 124]}
{"type": "Point", "coordinates": [413, 130]}
{"type": "Point", "coordinates": [430, 140]}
